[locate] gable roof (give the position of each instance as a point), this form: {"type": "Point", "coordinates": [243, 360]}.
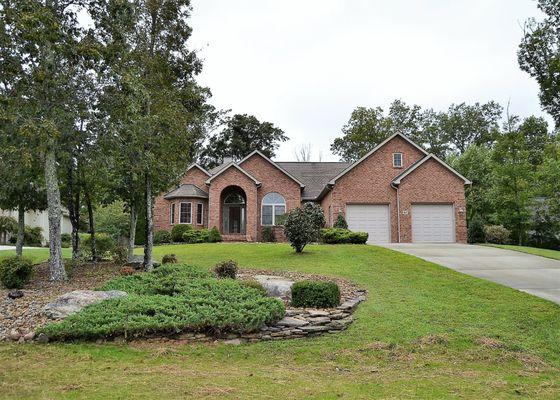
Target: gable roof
{"type": "Point", "coordinates": [383, 143]}
{"type": "Point", "coordinates": [195, 165]}
{"type": "Point", "coordinates": [315, 175]}
{"type": "Point", "coordinates": [418, 163]}
{"type": "Point", "coordinates": [186, 190]}
{"type": "Point", "coordinates": [233, 165]}
{"type": "Point", "coordinates": [288, 174]}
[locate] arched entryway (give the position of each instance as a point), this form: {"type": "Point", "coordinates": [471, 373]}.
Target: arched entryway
{"type": "Point", "coordinates": [233, 203]}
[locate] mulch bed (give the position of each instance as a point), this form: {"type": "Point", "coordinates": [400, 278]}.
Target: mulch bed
{"type": "Point", "coordinates": [25, 314]}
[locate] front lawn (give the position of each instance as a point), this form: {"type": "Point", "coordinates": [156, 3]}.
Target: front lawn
{"type": "Point", "coordinates": [36, 255]}
{"type": "Point", "coordinates": [554, 254]}
{"type": "Point", "coordinates": [424, 332]}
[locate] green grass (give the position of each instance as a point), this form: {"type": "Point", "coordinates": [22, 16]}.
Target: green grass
{"type": "Point", "coordinates": [554, 254]}
{"type": "Point", "coordinates": [420, 334]}
{"type": "Point", "coordinates": [36, 255]}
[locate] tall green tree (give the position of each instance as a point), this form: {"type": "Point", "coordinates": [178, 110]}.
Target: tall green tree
{"type": "Point", "coordinates": [155, 111]}
{"type": "Point", "coordinates": [513, 176]}
{"type": "Point", "coordinates": [539, 55]}
{"type": "Point", "coordinates": [535, 132]}
{"type": "Point", "coordinates": [242, 134]}
{"type": "Point", "coordinates": [44, 53]}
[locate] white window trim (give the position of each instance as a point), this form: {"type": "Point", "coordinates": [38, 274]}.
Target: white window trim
{"type": "Point", "coordinates": [185, 202]}
{"type": "Point", "coordinates": [273, 209]}
{"type": "Point", "coordinates": [402, 160]}
{"type": "Point", "coordinates": [172, 214]}
{"type": "Point", "coordinates": [201, 214]}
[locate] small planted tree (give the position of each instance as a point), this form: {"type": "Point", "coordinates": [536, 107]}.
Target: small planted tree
{"type": "Point", "coordinates": [340, 222]}
{"type": "Point", "coordinates": [303, 225]}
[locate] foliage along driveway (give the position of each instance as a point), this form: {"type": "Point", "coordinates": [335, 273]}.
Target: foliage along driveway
{"type": "Point", "coordinates": [533, 274]}
{"type": "Point", "coordinates": [425, 331]}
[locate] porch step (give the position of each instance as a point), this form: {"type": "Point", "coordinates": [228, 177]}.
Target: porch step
{"type": "Point", "coordinates": [234, 238]}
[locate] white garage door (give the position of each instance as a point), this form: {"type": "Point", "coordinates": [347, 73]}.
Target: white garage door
{"type": "Point", "coordinates": [433, 223]}
{"type": "Point", "coordinates": [371, 218]}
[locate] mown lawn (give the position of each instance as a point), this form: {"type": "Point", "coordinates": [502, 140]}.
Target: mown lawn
{"type": "Point", "coordinates": [424, 332]}
{"type": "Point", "coordinates": [36, 255]}
{"type": "Point", "coordinates": [554, 254]}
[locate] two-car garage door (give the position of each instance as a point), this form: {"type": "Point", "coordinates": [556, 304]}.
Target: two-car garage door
{"type": "Point", "coordinates": [433, 223]}
{"type": "Point", "coordinates": [430, 222]}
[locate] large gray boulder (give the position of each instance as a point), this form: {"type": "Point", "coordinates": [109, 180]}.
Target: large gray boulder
{"type": "Point", "coordinates": [276, 286]}
{"type": "Point", "coordinates": [72, 302]}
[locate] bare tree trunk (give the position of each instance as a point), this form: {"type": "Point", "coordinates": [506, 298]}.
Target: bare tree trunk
{"type": "Point", "coordinates": [20, 231]}
{"type": "Point", "coordinates": [148, 247]}
{"type": "Point", "coordinates": [132, 232]}
{"type": "Point", "coordinates": [74, 213]}
{"type": "Point", "coordinates": [57, 271]}
{"type": "Point", "coordinates": [94, 255]}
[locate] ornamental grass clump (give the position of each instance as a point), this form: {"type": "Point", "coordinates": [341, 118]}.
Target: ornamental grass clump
{"type": "Point", "coordinates": [226, 269]}
{"type": "Point", "coordinates": [315, 294]}
{"type": "Point", "coordinates": [172, 299]}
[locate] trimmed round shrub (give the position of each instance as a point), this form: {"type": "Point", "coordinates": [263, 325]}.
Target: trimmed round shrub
{"type": "Point", "coordinates": [340, 222]}
{"type": "Point", "coordinates": [169, 259]}
{"type": "Point", "coordinates": [162, 236]}
{"type": "Point", "coordinates": [496, 234]}
{"type": "Point", "coordinates": [66, 240]}
{"type": "Point", "coordinates": [316, 294]}
{"type": "Point", "coordinates": [178, 231]}
{"type": "Point", "coordinates": [214, 235]}
{"type": "Point", "coordinates": [226, 269]}
{"type": "Point", "coordinates": [15, 272]}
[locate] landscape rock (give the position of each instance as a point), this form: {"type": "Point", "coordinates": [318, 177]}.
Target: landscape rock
{"type": "Point", "coordinates": [276, 286]}
{"type": "Point", "coordinates": [29, 336]}
{"type": "Point", "coordinates": [42, 338]}
{"type": "Point", "coordinates": [15, 294]}
{"type": "Point", "coordinates": [72, 302]}
{"type": "Point", "coordinates": [292, 322]}
{"type": "Point", "coordinates": [14, 335]}
{"type": "Point", "coordinates": [318, 313]}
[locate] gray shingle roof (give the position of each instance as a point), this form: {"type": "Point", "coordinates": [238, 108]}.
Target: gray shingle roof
{"type": "Point", "coordinates": [186, 190]}
{"type": "Point", "coordinates": [314, 175]}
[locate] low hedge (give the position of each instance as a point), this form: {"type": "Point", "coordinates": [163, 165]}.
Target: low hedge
{"type": "Point", "coordinates": [315, 294]}
{"type": "Point", "coordinates": [162, 236]}
{"type": "Point", "coordinates": [172, 299]}
{"type": "Point", "coordinates": [341, 236]}
{"type": "Point", "coordinates": [179, 230]}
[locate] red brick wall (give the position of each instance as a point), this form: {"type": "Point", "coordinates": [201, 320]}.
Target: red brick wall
{"type": "Point", "coordinates": [162, 206]}
{"type": "Point", "coordinates": [272, 180]}
{"type": "Point", "coordinates": [432, 183]}
{"type": "Point", "coordinates": [233, 177]}
{"type": "Point", "coordinates": [370, 181]}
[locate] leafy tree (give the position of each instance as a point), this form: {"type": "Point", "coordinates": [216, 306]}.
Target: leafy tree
{"type": "Point", "coordinates": [340, 222]}
{"type": "Point", "coordinates": [156, 113]}
{"type": "Point", "coordinates": [512, 192]}
{"type": "Point", "coordinates": [465, 124]}
{"type": "Point", "coordinates": [539, 55]}
{"type": "Point", "coordinates": [303, 225]}
{"type": "Point", "coordinates": [548, 180]}
{"type": "Point", "coordinates": [536, 134]}
{"type": "Point", "coordinates": [242, 134]}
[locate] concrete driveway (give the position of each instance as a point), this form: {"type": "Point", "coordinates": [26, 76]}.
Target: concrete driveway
{"type": "Point", "coordinates": [536, 275]}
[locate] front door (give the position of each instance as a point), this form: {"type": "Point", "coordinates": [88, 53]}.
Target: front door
{"type": "Point", "coordinates": [234, 219]}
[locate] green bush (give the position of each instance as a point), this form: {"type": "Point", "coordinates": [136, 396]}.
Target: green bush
{"type": "Point", "coordinates": [214, 235]}
{"type": "Point", "coordinates": [340, 222]}
{"type": "Point", "coordinates": [341, 236]}
{"type": "Point", "coordinates": [196, 236]}
{"type": "Point", "coordinates": [113, 220]}
{"type": "Point", "coordinates": [66, 240]}
{"type": "Point", "coordinates": [8, 224]}
{"type": "Point", "coordinates": [191, 301]}
{"type": "Point", "coordinates": [476, 230]}
{"type": "Point", "coordinates": [103, 242]}
{"type": "Point", "coordinates": [169, 259]}
{"type": "Point", "coordinates": [303, 224]}
{"type": "Point", "coordinates": [162, 236]}
{"type": "Point", "coordinates": [315, 294]}
{"type": "Point", "coordinates": [203, 235]}
{"type": "Point", "coordinates": [268, 234]}
{"type": "Point", "coordinates": [15, 272]}
{"type": "Point", "coordinates": [119, 254]}
{"type": "Point", "coordinates": [178, 231]}
{"type": "Point", "coordinates": [496, 234]}
{"type": "Point", "coordinates": [33, 236]}
{"type": "Point", "coordinates": [226, 269]}
{"type": "Point", "coordinates": [256, 285]}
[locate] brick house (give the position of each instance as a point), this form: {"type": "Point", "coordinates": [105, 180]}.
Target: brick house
{"type": "Point", "coordinates": [397, 193]}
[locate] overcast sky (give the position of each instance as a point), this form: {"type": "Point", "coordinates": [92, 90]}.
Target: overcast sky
{"type": "Point", "coordinates": [304, 65]}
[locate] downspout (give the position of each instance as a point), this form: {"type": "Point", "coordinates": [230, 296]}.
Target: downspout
{"type": "Point", "coordinates": [396, 187]}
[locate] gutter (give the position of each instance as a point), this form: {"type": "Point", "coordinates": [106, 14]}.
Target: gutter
{"type": "Point", "coordinates": [396, 187]}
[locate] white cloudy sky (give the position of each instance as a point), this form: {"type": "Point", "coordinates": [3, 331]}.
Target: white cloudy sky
{"type": "Point", "coordinates": [306, 64]}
